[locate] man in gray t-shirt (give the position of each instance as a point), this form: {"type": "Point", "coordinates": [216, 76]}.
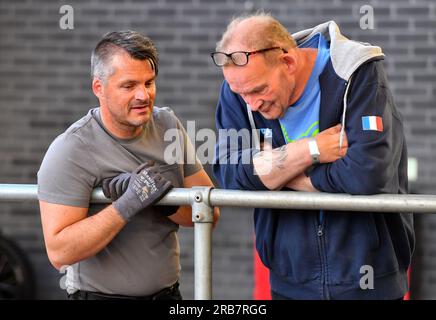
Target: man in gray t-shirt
{"type": "Point", "coordinates": [128, 249]}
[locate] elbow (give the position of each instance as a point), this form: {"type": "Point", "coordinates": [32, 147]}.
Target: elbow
{"type": "Point", "coordinates": [187, 224]}
{"type": "Point", "coordinates": [377, 180]}
{"type": "Point", "coordinates": [369, 184]}
{"type": "Point", "coordinates": [219, 173]}
{"type": "Point", "coordinates": [57, 266]}
{"type": "Point", "coordinates": [270, 184]}
{"type": "Point", "coordinates": [59, 256]}
{"type": "Point", "coordinates": [231, 176]}
{"type": "Point", "coordinates": [183, 217]}
{"type": "Point", "coordinates": [216, 216]}
{"type": "Point", "coordinates": [56, 260]}
{"type": "Point", "coordinates": [375, 188]}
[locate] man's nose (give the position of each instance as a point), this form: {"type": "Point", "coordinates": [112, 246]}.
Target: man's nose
{"type": "Point", "coordinates": [255, 104]}
{"type": "Point", "coordinates": [141, 93]}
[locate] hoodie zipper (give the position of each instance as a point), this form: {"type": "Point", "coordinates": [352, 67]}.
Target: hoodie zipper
{"type": "Point", "coordinates": [321, 215]}
{"type": "Point", "coordinates": [344, 112]}
{"type": "Point", "coordinates": [320, 234]}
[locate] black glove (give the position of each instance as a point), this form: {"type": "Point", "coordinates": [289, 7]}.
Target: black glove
{"type": "Point", "coordinates": [143, 187]}
{"type": "Point", "coordinates": [114, 188]}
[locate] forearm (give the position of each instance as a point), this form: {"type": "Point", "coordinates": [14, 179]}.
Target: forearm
{"type": "Point", "coordinates": [183, 216]}
{"type": "Point", "coordinates": [279, 166]}
{"type": "Point", "coordinates": [301, 183]}
{"type": "Point", "coordinates": [85, 238]}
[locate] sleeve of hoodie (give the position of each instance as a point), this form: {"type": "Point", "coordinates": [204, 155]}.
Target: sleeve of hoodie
{"type": "Point", "coordinates": [371, 163]}
{"type": "Point", "coordinates": [233, 167]}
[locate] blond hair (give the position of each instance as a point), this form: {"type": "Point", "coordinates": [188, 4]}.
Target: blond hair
{"type": "Point", "coordinates": [269, 32]}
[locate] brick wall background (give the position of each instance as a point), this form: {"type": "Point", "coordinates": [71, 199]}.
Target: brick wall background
{"type": "Point", "coordinates": [45, 86]}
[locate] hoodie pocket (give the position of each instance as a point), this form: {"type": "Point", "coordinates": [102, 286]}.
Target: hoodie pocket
{"type": "Point", "coordinates": [361, 239]}
{"type": "Point", "coordinates": [287, 246]}
{"type": "Point", "coordinates": [373, 231]}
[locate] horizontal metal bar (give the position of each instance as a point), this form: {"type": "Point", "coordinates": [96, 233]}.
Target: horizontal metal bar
{"type": "Point", "coordinates": [28, 192]}
{"type": "Point", "coordinates": [327, 201]}
{"type": "Point", "coordinates": [266, 199]}
{"type": "Point", "coordinates": [18, 192]}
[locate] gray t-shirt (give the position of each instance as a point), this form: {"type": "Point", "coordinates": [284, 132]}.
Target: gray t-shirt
{"type": "Point", "coordinates": [144, 257]}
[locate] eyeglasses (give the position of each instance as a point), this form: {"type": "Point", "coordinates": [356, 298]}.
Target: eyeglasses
{"type": "Point", "coordinates": [239, 58]}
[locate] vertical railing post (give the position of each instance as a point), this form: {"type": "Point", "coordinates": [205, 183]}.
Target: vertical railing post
{"type": "Point", "coordinates": [202, 216]}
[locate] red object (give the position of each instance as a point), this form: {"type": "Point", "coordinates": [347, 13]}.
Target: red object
{"type": "Point", "coordinates": [407, 296]}
{"type": "Point", "coordinates": [262, 289]}
{"type": "Point", "coordinates": [379, 123]}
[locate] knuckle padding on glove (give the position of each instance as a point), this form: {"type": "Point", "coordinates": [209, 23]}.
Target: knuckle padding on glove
{"type": "Point", "coordinates": [133, 192]}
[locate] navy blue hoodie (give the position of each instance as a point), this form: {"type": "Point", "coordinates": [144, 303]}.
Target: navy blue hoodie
{"type": "Point", "coordinates": [311, 258]}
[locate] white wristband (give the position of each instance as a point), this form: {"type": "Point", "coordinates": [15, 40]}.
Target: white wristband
{"type": "Point", "coordinates": [314, 151]}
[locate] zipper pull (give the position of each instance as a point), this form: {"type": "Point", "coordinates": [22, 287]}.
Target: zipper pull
{"type": "Point", "coordinates": [320, 232]}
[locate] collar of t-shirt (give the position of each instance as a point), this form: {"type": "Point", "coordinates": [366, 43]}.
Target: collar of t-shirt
{"type": "Point", "coordinates": [301, 119]}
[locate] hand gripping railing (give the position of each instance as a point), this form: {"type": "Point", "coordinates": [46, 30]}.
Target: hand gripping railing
{"type": "Point", "coordinates": [203, 199]}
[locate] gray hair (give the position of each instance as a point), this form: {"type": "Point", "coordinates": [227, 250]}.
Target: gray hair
{"type": "Point", "coordinates": [135, 44]}
{"type": "Point", "coordinates": [272, 33]}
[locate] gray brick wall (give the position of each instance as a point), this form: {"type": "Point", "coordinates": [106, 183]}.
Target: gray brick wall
{"type": "Point", "coordinates": [45, 86]}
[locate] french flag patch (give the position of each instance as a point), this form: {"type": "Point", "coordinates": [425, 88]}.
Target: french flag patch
{"type": "Point", "coordinates": [373, 123]}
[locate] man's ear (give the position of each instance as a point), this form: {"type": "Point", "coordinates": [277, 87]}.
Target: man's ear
{"type": "Point", "coordinates": [97, 87]}
{"type": "Point", "coordinates": [290, 60]}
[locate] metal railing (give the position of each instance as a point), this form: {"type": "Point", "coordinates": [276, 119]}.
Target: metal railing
{"type": "Point", "coordinates": [203, 199]}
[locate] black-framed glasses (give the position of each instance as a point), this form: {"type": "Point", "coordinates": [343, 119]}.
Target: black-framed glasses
{"type": "Point", "coordinates": [239, 58]}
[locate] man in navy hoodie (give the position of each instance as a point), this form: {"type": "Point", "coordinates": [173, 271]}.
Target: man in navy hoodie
{"type": "Point", "coordinates": [295, 90]}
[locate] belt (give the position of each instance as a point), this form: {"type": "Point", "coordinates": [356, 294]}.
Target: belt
{"type": "Point", "coordinates": [170, 293]}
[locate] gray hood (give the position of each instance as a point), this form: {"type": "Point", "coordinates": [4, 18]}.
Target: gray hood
{"type": "Point", "coordinates": [346, 55]}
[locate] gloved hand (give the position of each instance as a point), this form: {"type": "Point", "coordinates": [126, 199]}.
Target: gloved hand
{"type": "Point", "coordinates": [144, 187]}
{"type": "Point", "coordinates": [114, 188]}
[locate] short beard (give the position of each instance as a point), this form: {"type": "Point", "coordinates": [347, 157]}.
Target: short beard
{"type": "Point", "coordinates": [126, 123]}
{"type": "Point", "coordinates": [134, 124]}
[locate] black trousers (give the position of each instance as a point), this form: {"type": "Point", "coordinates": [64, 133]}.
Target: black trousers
{"type": "Point", "coordinates": [170, 293]}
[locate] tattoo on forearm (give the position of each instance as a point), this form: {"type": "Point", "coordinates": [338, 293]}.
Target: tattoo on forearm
{"type": "Point", "coordinates": [279, 157]}
{"type": "Point", "coordinates": [276, 157]}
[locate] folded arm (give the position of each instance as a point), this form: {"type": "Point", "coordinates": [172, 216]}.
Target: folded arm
{"type": "Point", "coordinates": [238, 165]}
{"type": "Point", "coordinates": [70, 236]}
{"type": "Point", "coordinates": [375, 158]}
